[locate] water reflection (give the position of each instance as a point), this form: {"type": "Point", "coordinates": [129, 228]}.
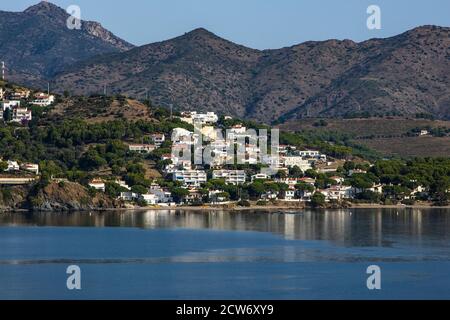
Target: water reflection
{"type": "Point", "coordinates": [351, 227]}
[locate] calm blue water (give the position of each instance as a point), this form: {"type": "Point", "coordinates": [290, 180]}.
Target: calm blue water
{"type": "Point", "coordinates": [220, 255]}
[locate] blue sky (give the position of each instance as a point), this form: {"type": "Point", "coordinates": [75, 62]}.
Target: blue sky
{"type": "Point", "coordinates": [258, 24]}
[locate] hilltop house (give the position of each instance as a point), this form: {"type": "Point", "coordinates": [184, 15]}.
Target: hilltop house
{"type": "Point", "coordinates": [190, 178]}
{"type": "Point", "coordinates": [98, 184]}
{"type": "Point", "coordinates": [21, 114]}
{"type": "Point", "coordinates": [30, 167]}
{"type": "Point", "coordinates": [292, 161]}
{"type": "Point", "coordinates": [158, 139]}
{"type": "Point", "coordinates": [141, 148]}
{"type": "Point", "coordinates": [43, 99]}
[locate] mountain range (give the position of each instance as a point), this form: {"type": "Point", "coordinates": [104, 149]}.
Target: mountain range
{"type": "Point", "coordinates": [404, 75]}
{"type": "Point", "coordinates": [36, 43]}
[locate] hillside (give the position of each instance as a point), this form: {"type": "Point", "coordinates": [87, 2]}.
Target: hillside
{"type": "Point", "coordinates": [36, 43]}
{"type": "Point", "coordinates": [388, 136]}
{"type": "Point", "coordinates": [99, 109]}
{"type": "Point", "coordinates": [403, 75]}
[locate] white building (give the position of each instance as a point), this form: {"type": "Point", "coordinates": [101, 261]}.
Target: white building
{"type": "Point", "coordinates": [309, 153]}
{"type": "Point", "coordinates": [123, 184]}
{"type": "Point", "coordinates": [43, 100]}
{"type": "Point", "coordinates": [150, 199]}
{"type": "Point", "coordinates": [162, 196]}
{"type": "Point", "coordinates": [183, 136]}
{"type": "Point", "coordinates": [31, 167]}
{"type": "Point", "coordinates": [12, 166]}
{"type": "Point", "coordinates": [128, 196]}
{"type": "Point", "coordinates": [259, 176]}
{"type": "Point", "coordinates": [337, 193]}
{"type": "Point", "coordinates": [158, 139]}
{"type": "Point", "coordinates": [19, 94]}
{"type": "Point", "coordinates": [141, 148]}
{"type": "Point", "coordinates": [289, 195]}
{"type": "Point", "coordinates": [356, 171]}
{"type": "Point", "coordinates": [217, 196]}
{"type": "Point", "coordinates": [97, 184]}
{"type": "Point", "coordinates": [190, 178]}
{"type": "Point", "coordinates": [292, 161]}
{"type": "Point", "coordinates": [21, 114]}
{"type": "Point", "coordinates": [10, 104]}
{"type": "Point", "coordinates": [233, 177]}
{"type": "Point", "coordinates": [200, 118]}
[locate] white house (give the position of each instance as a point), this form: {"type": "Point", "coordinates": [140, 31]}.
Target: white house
{"type": "Point", "coordinates": [201, 118]}
{"type": "Point", "coordinates": [128, 196]}
{"type": "Point", "coordinates": [123, 184]}
{"type": "Point", "coordinates": [312, 154]}
{"type": "Point", "coordinates": [141, 148]}
{"type": "Point", "coordinates": [21, 114]}
{"type": "Point", "coordinates": [337, 193]}
{"type": "Point", "coordinates": [162, 196]}
{"type": "Point", "coordinates": [97, 184]}
{"type": "Point", "coordinates": [12, 166]}
{"type": "Point", "coordinates": [292, 161]}
{"type": "Point", "coordinates": [150, 199]}
{"type": "Point", "coordinates": [259, 176]}
{"type": "Point", "coordinates": [43, 99]}
{"type": "Point", "coordinates": [190, 178]}
{"type": "Point", "coordinates": [289, 195]}
{"type": "Point", "coordinates": [217, 196]}
{"type": "Point", "coordinates": [10, 104]}
{"type": "Point", "coordinates": [31, 167]}
{"type": "Point", "coordinates": [19, 94]}
{"type": "Point", "coordinates": [356, 171]}
{"type": "Point", "coordinates": [309, 153]}
{"type": "Point", "coordinates": [158, 139]}
{"type": "Point", "coordinates": [233, 177]}
{"type": "Point", "coordinates": [377, 188]}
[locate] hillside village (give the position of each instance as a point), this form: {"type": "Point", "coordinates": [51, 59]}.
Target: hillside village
{"type": "Point", "coordinates": [300, 176]}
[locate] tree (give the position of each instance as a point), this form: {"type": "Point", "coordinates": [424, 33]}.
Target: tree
{"type": "Point", "coordinates": [281, 174]}
{"type": "Point", "coordinates": [113, 189]}
{"type": "Point", "coordinates": [310, 173]}
{"type": "Point", "coordinates": [349, 165]}
{"type": "Point", "coordinates": [372, 197]}
{"type": "Point", "coordinates": [3, 166]}
{"type": "Point", "coordinates": [440, 191]}
{"type": "Point", "coordinates": [50, 169]}
{"type": "Point", "coordinates": [318, 200]}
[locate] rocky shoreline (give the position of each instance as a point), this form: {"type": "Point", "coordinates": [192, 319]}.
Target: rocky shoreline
{"type": "Point", "coordinates": [70, 196]}
{"type": "Point", "coordinates": [67, 208]}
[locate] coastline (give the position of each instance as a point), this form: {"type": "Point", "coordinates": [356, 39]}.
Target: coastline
{"type": "Point", "coordinates": [269, 208]}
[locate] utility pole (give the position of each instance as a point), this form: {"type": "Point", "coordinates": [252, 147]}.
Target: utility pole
{"type": "Point", "coordinates": [104, 90]}
{"type": "Point", "coordinates": [48, 88]}
{"type": "Point", "coordinates": [171, 104]}
{"type": "Point", "coordinates": [3, 70]}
